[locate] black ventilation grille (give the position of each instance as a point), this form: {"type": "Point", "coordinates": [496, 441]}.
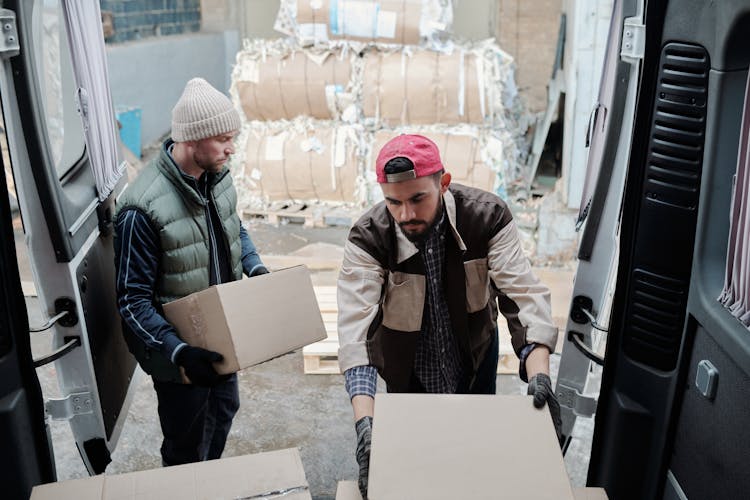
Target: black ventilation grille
{"type": "Point", "coordinates": [655, 319]}
{"type": "Point", "coordinates": [676, 148]}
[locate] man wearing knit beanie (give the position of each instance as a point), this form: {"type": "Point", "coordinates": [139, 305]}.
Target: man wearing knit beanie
{"type": "Point", "coordinates": [177, 233]}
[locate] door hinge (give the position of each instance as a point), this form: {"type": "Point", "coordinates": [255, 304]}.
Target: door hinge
{"type": "Point", "coordinates": [77, 403]}
{"type": "Point", "coordinates": [633, 39]}
{"type": "Point", "coordinates": [9, 45]}
{"type": "Point", "coordinates": [583, 406]}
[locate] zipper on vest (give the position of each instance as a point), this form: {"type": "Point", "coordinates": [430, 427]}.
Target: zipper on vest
{"type": "Point", "coordinates": [213, 254]}
{"type": "Point", "coordinates": [224, 235]}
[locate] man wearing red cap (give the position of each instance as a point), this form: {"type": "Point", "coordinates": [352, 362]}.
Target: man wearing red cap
{"type": "Point", "coordinates": [420, 274]}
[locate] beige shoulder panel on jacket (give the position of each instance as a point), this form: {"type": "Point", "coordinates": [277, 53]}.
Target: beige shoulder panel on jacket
{"type": "Point", "coordinates": [511, 273]}
{"type": "Point", "coordinates": [358, 293]}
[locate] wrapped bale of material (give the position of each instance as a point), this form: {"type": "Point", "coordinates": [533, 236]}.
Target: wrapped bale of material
{"type": "Point", "coordinates": [416, 86]}
{"type": "Point", "coordinates": [382, 21]}
{"type": "Point", "coordinates": [299, 160]}
{"type": "Point", "coordinates": [473, 83]}
{"type": "Point", "coordinates": [274, 80]}
{"type": "Point", "coordinates": [460, 151]}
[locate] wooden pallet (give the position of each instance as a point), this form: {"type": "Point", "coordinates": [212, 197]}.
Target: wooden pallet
{"type": "Point", "coordinates": [278, 212]}
{"type": "Point", "coordinates": [310, 215]}
{"type": "Point", "coordinates": [321, 358]}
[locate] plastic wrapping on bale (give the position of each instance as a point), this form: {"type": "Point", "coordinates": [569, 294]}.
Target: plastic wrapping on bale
{"type": "Point", "coordinates": [383, 21]}
{"type": "Point", "coordinates": [473, 83]}
{"type": "Point", "coordinates": [302, 160]}
{"type": "Point", "coordinates": [275, 80]}
{"type": "Point", "coordinates": [465, 99]}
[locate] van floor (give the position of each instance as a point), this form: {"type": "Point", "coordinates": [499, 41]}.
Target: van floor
{"type": "Point", "coordinates": [281, 407]}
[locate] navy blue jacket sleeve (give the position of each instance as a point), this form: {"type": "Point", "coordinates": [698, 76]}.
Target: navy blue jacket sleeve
{"type": "Point", "coordinates": [251, 263]}
{"type": "Point", "coordinates": [136, 260]}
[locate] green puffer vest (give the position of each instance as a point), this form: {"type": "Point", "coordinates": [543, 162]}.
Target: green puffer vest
{"type": "Point", "coordinates": [178, 215]}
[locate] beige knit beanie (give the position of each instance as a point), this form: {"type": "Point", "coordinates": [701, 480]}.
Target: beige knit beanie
{"type": "Point", "coordinates": [202, 112]}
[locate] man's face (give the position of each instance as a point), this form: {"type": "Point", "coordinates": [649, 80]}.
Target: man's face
{"type": "Point", "coordinates": [416, 203]}
{"type": "Point", "coordinates": [211, 154]}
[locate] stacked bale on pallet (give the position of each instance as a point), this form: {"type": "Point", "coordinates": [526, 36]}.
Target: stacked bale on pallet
{"type": "Point", "coordinates": [293, 144]}
{"type": "Point", "coordinates": [352, 72]}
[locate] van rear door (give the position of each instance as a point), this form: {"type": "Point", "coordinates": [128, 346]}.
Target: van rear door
{"type": "Point", "coordinates": [67, 226]}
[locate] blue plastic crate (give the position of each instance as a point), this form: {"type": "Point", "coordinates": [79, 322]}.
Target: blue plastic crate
{"type": "Point", "coordinates": [130, 128]}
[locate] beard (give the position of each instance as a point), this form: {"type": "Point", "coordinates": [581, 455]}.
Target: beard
{"type": "Point", "coordinates": [419, 235]}
{"type": "Point", "coordinates": [213, 166]}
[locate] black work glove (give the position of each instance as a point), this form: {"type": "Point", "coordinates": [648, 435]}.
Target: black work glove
{"type": "Point", "coordinates": [540, 386]}
{"type": "Point", "coordinates": [259, 271]}
{"type": "Point", "coordinates": [198, 365]}
{"type": "Point", "coordinates": [364, 439]}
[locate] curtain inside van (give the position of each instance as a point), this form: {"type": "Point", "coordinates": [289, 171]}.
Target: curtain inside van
{"type": "Point", "coordinates": [736, 293]}
{"type": "Point", "coordinates": [83, 22]}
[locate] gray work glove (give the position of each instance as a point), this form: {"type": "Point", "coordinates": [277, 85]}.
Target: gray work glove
{"type": "Point", "coordinates": [198, 365]}
{"type": "Point", "coordinates": [540, 386]}
{"type": "Point", "coordinates": [364, 439]}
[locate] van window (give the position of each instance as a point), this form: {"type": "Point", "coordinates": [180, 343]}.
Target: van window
{"type": "Point", "coordinates": [736, 293]}
{"type": "Point", "coordinates": [58, 89]}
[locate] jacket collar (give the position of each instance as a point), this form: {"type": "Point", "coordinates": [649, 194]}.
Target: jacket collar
{"type": "Point", "coordinates": [406, 249]}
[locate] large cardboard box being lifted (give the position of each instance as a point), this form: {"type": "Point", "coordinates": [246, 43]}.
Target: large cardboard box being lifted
{"type": "Point", "coordinates": [427, 446]}
{"type": "Point", "coordinates": [251, 320]}
{"type": "Point", "coordinates": [263, 475]}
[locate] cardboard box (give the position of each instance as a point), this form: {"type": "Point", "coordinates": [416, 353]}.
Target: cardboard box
{"type": "Point", "coordinates": [427, 446]}
{"type": "Point", "coordinates": [589, 494]}
{"type": "Point", "coordinates": [251, 320]}
{"type": "Point", "coordinates": [348, 490]}
{"type": "Point", "coordinates": [248, 476]}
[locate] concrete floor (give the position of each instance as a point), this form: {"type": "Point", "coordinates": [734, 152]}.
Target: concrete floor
{"type": "Point", "coordinates": [280, 406]}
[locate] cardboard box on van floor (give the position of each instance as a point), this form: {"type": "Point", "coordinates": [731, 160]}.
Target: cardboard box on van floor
{"type": "Point", "coordinates": [251, 320]}
{"type": "Point", "coordinates": [590, 494]}
{"type": "Point", "coordinates": [262, 475]}
{"type": "Point", "coordinates": [348, 490]}
{"type": "Point", "coordinates": [436, 446]}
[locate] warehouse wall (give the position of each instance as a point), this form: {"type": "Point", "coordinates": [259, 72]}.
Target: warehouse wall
{"type": "Point", "coordinates": [528, 30]}
{"type": "Point", "coordinates": [159, 45]}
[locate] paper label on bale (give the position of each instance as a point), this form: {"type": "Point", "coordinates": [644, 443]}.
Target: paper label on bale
{"type": "Point", "coordinates": [249, 321]}
{"type": "Point", "coordinates": [427, 446]}
{"type": "Point", "coordinates": [313, 31]}
{"type": "Point", "coordinates": [275, 147]}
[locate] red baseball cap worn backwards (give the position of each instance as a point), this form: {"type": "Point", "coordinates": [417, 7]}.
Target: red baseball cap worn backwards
{"type": "Point", "coordinates": [422, 152]}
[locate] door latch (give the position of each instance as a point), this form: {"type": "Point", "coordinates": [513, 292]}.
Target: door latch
{"type": "Point", "coordinates": [9, 45]}
{"type": "Point", "coordinates": [77, 403]}
{"type": "Point", "coordinates": [633, 40]}
{"type": "Point", "coordinates": [583, 406]}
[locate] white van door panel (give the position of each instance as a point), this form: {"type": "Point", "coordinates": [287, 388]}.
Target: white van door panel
{"type": "Point", "coordinates": [68, 231]}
